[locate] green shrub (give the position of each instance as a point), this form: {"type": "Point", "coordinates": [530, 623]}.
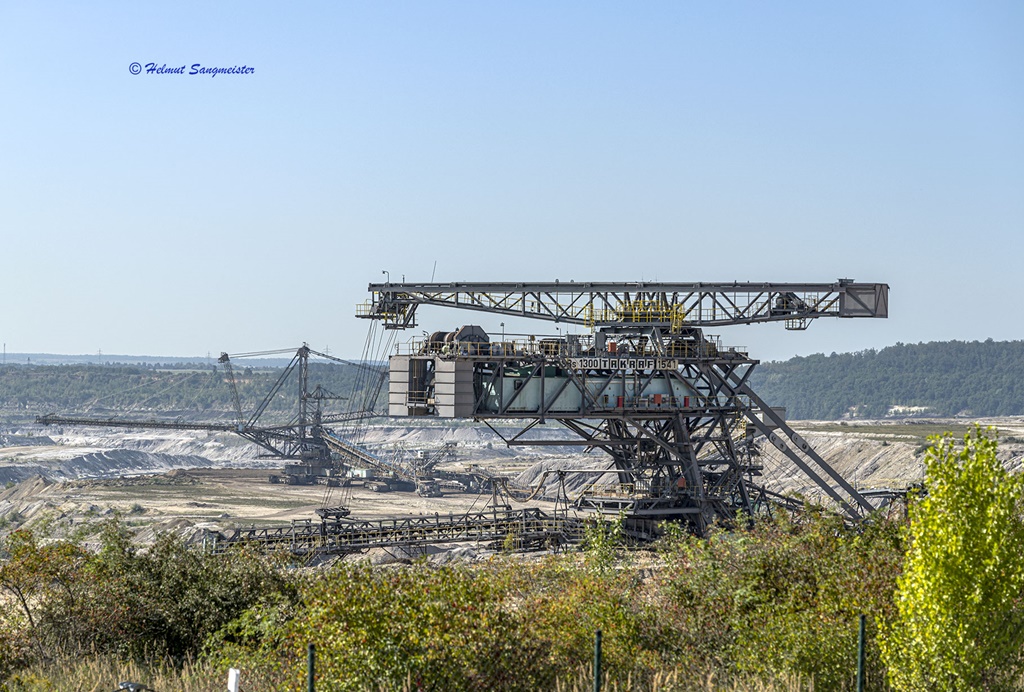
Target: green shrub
{"type": "Point", "coordinates": [960, 623]}
{"type": "Point", "coordinates": [778, 601]}
{"type": "Point", "coordinates": [783, 599]}
{"type": "Point", "coordinates": [163, 602]}
{"type": "Point", "coordinates": [448, 628]}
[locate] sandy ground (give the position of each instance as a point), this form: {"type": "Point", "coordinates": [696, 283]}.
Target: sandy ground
{"type": "Point", "coordinates": [161, 480]}
{"type": "Point", "coordinates": [221, 498]}
{"type": "Point", "coordinates": [182, 481]}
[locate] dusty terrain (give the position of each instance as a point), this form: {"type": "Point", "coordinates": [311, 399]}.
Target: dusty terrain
{"type": "Point", "coordinates": [882, 454]}
{"type": "Point", "coordinates": [166, 480]}
{"type": "Point", "coordinates": [71, 478]}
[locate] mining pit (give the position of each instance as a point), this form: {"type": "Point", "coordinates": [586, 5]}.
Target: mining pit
{"type": "Point", "coordinates": [70, 479]}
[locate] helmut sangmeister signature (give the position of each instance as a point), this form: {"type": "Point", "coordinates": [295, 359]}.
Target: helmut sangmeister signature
{"type": "Point", "coordinates": [194, 69]}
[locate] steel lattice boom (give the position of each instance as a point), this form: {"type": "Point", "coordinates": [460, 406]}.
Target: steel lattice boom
{"type": "Point", "coordinates": [300, 439]}
{"type": "Point", "coordinates": [667, 305]}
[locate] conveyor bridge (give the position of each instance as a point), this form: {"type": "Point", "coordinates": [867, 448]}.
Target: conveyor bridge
{"type": "Point", "coordinates": [528, 528]}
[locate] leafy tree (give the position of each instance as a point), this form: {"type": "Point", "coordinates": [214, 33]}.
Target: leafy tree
{"type": "Point", "coordinates": [601, 540]}
{"type": "Point", "coordinates": [43, 580]}
{"type": "Point", "coordinates": [960, 618]}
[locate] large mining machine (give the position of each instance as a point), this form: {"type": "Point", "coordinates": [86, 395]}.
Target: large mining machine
{"type": "Point", "coordinates": [314, 452]}
{"type": "Point", "coordinates": [670, 406]}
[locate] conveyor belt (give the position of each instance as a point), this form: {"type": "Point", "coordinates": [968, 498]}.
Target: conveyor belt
{"type": "Point", "coordinates": [529, 528]}
{"type": "Point", "coordinates": [357, 456]}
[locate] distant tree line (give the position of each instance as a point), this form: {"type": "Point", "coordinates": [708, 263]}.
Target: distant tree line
{"type": "Point", "coordinates": [938, 379]}
{"type": "Point", "coordinates": [943, 378]}
{"type": "Point", "coordinates": [202, 392]}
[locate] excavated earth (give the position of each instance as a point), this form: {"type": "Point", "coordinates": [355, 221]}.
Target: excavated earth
{"type": "Point", "coordinates": [71, 478]}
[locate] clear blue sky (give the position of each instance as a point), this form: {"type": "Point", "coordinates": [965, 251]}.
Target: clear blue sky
{"type": "Point", "coordinates": [676, 141]}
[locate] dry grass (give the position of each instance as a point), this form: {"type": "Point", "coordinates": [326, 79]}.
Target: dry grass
{"type": "Point", "coordinates": [683, 681]}
{"type": "Point", "coordinates": [105, 674]}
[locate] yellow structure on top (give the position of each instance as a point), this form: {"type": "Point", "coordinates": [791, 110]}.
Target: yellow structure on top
{"type": "Point", "coordinates": [640, 312]}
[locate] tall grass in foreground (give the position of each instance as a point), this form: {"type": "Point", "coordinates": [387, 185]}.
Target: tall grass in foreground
{"type": "Point", "coordinates": [104, 675]}
{"type": "Point", "coordinates": [678, 680]}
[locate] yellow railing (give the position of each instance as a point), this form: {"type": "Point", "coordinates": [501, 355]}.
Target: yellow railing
{"type": "Point", "coordinates": [370, 309]}
{"type": "Point", "coordinates": [639, 312]}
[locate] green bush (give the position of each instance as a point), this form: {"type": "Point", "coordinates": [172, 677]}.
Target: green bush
{"type": "Point", "coordinates": [63, 600]}
{"type": "Point", "coordinates": [780, 601]}
{"type": "Point", "coordinates": [783, 599]}
{"type": "Point", "coordinates": [448, 628]}
{"type": "Point", "coordinates": [960, 623]}
{"type": "Point", "coordinates": [777, 601]}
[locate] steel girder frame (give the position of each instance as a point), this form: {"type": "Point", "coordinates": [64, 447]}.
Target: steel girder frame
{"type": "Point", "coordinates": [649, 303]}
{"type": "Point", "coordinates": [677, 461]}
{"type": "Point", "coordinates": [658, 465]}
{"type": "Point", "coordinates": [278, 442]}
{"type": "Point", "coordinates": [652, 450]}
{"type": "Point", "coordinates": [675, 442]}
{"type": "Point", "coordinates": [801, 454]}
{"type": "Point", "coordinates": [531, 528]}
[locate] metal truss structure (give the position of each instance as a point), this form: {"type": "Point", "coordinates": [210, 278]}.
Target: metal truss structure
{"type": "Point", "coordinates": [671, 407]}
{"type": "Point", "coordinates": [301, 439]}
{"type": "Point", "coordinates": [530, 528]}
{"type": "Point", "coordinates": [664, 304]}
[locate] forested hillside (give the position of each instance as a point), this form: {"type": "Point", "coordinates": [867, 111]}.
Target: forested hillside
{"type": "Point", "coordinates": [199, 392]}
{"type": "Point", "coordinates": [937, 379]}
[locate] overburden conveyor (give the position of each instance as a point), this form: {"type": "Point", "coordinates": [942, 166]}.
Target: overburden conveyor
{"type": "Point", "coordinates": [529, 528]}
{"type": "Point", "coordinates": [354, 455]}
